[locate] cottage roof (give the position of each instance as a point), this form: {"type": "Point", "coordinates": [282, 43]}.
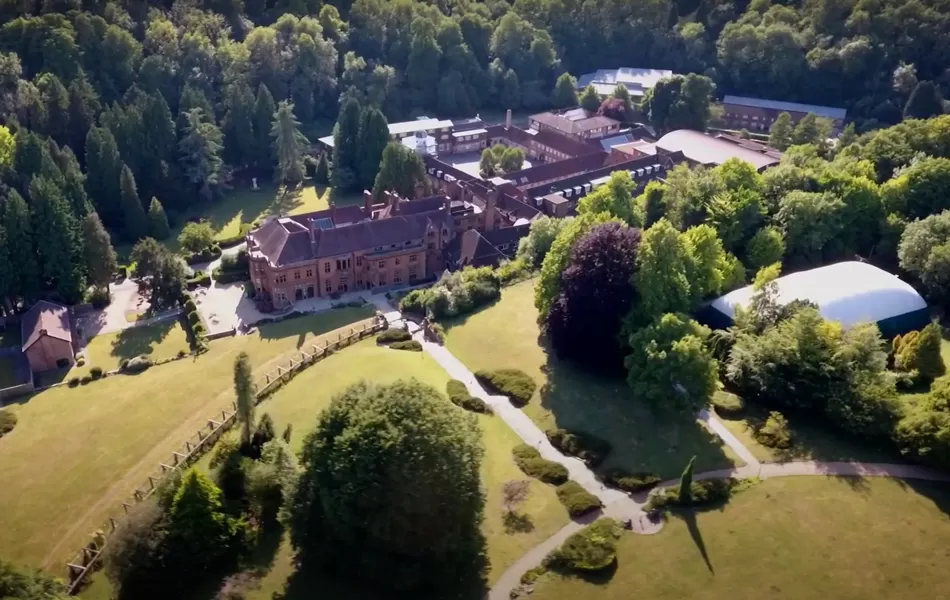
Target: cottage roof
{"type": "Point", "coordinates": [45, 319]}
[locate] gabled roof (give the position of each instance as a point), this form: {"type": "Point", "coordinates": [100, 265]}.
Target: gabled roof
{"type": "Point", "coordinates": [45, 319]}
{"type": "Point", "coordinates": [828, 112]}
{"type": "Point", "coordinates": [474, 248]}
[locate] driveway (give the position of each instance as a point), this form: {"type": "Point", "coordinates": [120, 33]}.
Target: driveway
{"type": "Point", "coordinates": [125, 299]}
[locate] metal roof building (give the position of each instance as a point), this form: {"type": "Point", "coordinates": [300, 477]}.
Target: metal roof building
{"type": "Point", "coordinates": [637, 81]}
{"type": "Point", "coordinates": [828, 112]}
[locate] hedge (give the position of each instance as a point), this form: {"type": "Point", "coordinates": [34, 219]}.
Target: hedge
{"type": "Point", "coordinates": [589, 448]}
{"type": "Point", "coordinates": [199, 279]}
{"type": "Point", "coordinates": [703, 492]}
{"type": "Point", "coordinates": [392, 335]}
{"type": "Point", "coordinates": [190, 306]}
{"type": "Point", "coordinates": [410, 345]}
{"type": "Point", "coordinates": [576, 499]}
{"type": "Point", "coordinates": [135, 365]}
{"type": "Point", "coordinates": [728, 404]}
{"type": "Point", "coordinates": [515, 384]}
{"type": "Point", "coordinates": [206, 255]}
{"type": "Point", "coordinates": [531, 464]}
{"type": "Point", "coordinates": [460, 397]}
{"type": "Point", "coordinates": [630, 482]}
{"type": "Point", "coordinates": [8, 421]}
{"type": "Point", "coordinates": [193, 317]}
{"type": "Point", "coordinates": [590, 549]}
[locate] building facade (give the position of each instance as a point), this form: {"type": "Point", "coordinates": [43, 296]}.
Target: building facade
{"type": "Point", "coordinates": [758, 114]}
{"type": "Point", "coordinates": [575, 123]}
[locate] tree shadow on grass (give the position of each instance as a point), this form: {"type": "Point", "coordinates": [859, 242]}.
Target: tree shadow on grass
{"type": "Point", "coordinates": [303, 325]}
{"type": "Point", "coordinates": [517, 523]}
{"type": "Point", "coordinates": [689, 517]}
{"type": "Point", "coordinates": [134, 341]}
{"type": "Point", "coordinates": [938, 492]}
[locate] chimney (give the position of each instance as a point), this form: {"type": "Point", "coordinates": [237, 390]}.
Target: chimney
{"type": "Point", "coordinates": [508, 119]}
{"type": "Point", "coordinates": [368, 202]}
{"type": "Point", "coordinates": [490, 203]}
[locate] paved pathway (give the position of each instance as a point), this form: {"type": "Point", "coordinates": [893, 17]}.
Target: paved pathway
{"type": "Point", "coordinates": [712, 422]}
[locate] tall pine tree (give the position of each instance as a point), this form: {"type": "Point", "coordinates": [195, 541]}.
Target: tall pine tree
{"type": "Point", "coordinates": [289, 144]}
{"type": "Point", "coordinates": [21, 250]}
{"type": "Point", "coordinates": [83, 108]}
{"type": "Point", "coordinates": [157, 221]}
{"type": "Point", "coordinates": [58, 244]}
{"type": "Point", "coordinates": [264, 109]}
{"type": "Point", "coordinates": [134, 221]}
{"type": "Point", "coordinates": [103, 168]}
{"type": "Point", "coordinates": [346, 151]}
{"type": "Point", "coordinates": [240, 143]}
{"type": "Point", "coordinates": [372, 140]}
{"type": "Point", "coordinates": [200, 150]}
{"type": "Point", "coordinates": [101, 262]}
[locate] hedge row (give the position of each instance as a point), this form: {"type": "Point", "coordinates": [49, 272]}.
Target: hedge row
{"type": "Point", "coordinates": [630, 482]}
{"type": "Point", "coordinates": [196, 330]}
{"type": "Point", "coordinates": [728, 404]}
{"type": "Point", "coordinates": [392, 335]}
{"type": "Point", "coordinates": [530, 462]}
{"type": "Point", "coordinates": [234, 240]}
{"type": "Point", "coordinates": [589, 448]}
{"type": "Point", "coordinates": [7, 422]}
{"type": "Point", "coordinates": [199, 279]}
{"type": "Point", "coordinates": [410, 345]}
{"type": "Point", "coordinates": [207, 255]}
{"type": "Point", "coordinates": [707, 491]}
{"type": "Point", "coordinates": [517, 385]}
{"type": "Point", "coordinates": [576, 499]}
{"type": "Point", "coordinates": [460, 397]}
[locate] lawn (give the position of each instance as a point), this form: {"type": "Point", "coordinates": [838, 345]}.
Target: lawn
{"type": "Point", "coordinates": [300, 402]}
{"type": "Point", "coordinates": [506, 335]}
{"type": "Point", "coordinates": [158, 341]}
{"type": "Point", "coordinates": [792, 538]}
{"type": "Point", "coordinates": [76, 454]}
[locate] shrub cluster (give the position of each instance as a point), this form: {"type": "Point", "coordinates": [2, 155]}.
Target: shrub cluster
{"type": "Point", "coordinates": [437, 333]}
{"type": "Point", "coordinates": [410, 345]}
{"type": "Point", "coordinates": [454, 294]}
{"type": "Point", "coordinates": [194, 327]}
{"type": "Point", "coordinates": [630, 482]}
{"type": "Point", "coordinates": [96, 372]}
{"type": "Point", "coordinates": [199, 279]}
{"type": "Point", "coordinates": [590, 549]}
{"type": "Point", "coordinates": [72, 382]}
{"type": "Point", "coordinates": [8, 421]}
{"type": "Point", "coordinates": [702, 493]}
{"type": "Point", "coordinates": [727, 404]}
{"type": "Point", "coordinates": [207, 255]}
{"type": "Point", "coordinates": [589, 448]}
{"type": "Point", "coordinates": [576, 499]}
{"type": "Point", "coordinates": [233, 268]}
{"type": "Point", "coordinates": [531, 464]}
{"type": "Point", "coordinates": [460, 397]}
{"type": "Point", "coordinates": [517, 385]}
{"type": "Point", "coordinates": [135, 365]}
{"type": "Point", "coordinates": [774, 432]}
{"type": "Point", "coordinates": [392, 335]}
{"type": "Point", "coordinates": [918, 353]}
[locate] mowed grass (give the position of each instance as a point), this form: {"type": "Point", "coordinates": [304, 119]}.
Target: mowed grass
{"type": "Point", "coordinates": [76, 454]}
{"type": "Point", "coordinates": [506, 335]}
{"type": "Point", "coordinates": [796, 538]}
{"type": "Point", "coordinates": [307, 395]}
{"type": "Point", "coordinates": [157, 341]}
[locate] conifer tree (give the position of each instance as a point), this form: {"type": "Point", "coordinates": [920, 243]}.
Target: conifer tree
{"type": "Point", "coordinates": [157, 221]}
{"type": "Point", "coordinates": [57, 241]}
{"type": "Point", "coordinates": [565, 94]}
{"type": "Point", "coordinates": [20, 246]}
{"type": "Point", "coordinates": [924, 102]}
{"type": "Point", "coordinates": [135, 223]}
{"type": "Point", "coordinates": [199, 531]}
{"type": "Point", "coordinates": [371, 141]}
{"type": "Point", "coordinates": [322, 174]}
{"type": "Point", "coordinates": [201, 153]}
{"type": "Point", "coordinates": [101, 262]}
{"type": "Point", "coordinates": [244, 392]}
{"type": "Point", "coordinates": [345, 149]}
{"type": "Point", "coordinates": [289, 144]}
{"type": "Point", "coordinates": [239, 138]}
{"type": "Point", "coordinates": [264, 109]}
{"type": "Point", "coordinates": [103, 169]}
{"type": "Point", "coordinates": [83, 108]}
{"type": "Point", "coordinates": [590, 99]}
{"type": "Point", "coordinates": [686, 483]}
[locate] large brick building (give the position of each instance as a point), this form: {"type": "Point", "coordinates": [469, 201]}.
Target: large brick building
{"type": "Point", "coordinates": [758, 114]}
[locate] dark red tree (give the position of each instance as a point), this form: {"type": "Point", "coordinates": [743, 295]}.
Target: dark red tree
{"type": "Point", "coordinates": [584, 322]}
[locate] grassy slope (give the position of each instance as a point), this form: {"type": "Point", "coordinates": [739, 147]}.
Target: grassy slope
{"type": "Point", "coordinates": [158, 341]}
{"type": "Point", "coordinates": [507, 335]}
{"type": "Point", "coordinates": [77, 453]}
{"type": "Point", "coordinates": [801, 538]}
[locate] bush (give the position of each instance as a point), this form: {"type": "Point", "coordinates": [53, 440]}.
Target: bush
{"type": "Point", "coordinates": [576, 499]}
{"type": "Point", "coordinates": [100, 297]}
{"type": "Point", "coordinates": [96, 372]}
{"type": "Point", "coordinates": [774, 433]}
{"type": "Point", "coordinates": [190, 306]}
{"type": "Point", "coordinates": [193, 318]}
{"type": "Point", "coordinates": [392, 335]}
{"type": "Point", "coordinates": [590, 449]}
{"type": "Point", "coordinates": [182, 354]}
{"type": "Point", "coordinates": [702, 492]}
{"type": "Point", "coordinates": [454, 294]}
{"type": "Point", "coordinates": [207, 255]}
{"type": "Point", "coordinates": [73, 382]}
{"type": "Point", "coordinates": [919, 352]}
{"type": "Point", "coordinates": [136, 365]}
{"type": "Point", "coordinates": [531, 464]}
{"type": "Point", "coordinates": [460, 397]}
{"type": "Point", "coordinates": [85, 379]}
{"type": "Point", "coordinates": [8, 421]}
{"type": "Point", "coordinates": [438, 333]}
{"type": "Point", "coordinates": [590, 549]}
{"type": "Point", "coordinates": [135, 552]}
{"type": "Point", "coordinates": [515, 384]}
{"type": "Point", "coordinates": [630, 482]}
{"type": "Point", "coordinates": [199, 279]}
{"type": "Point", "coordinates": [414, 303]}
{"type": "Point", "coordinates": [532, 575]}
{"type": "Point", "coordinates": [80, 361]}
{"type": "Point", "coordinates": [410, 345]}
{"type": "Point", "coordinates": [727, 404]}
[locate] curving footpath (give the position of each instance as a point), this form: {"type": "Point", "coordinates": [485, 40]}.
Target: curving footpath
{"type": "Point", "coordinates": [618, 504]}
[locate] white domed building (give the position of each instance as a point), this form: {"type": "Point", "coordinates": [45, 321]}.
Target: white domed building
{"type": "Point", "coordinates": [847, 292]}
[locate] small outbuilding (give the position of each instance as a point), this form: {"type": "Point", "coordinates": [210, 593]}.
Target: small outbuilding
{"type": "Point", "coordinates": [48, 337]}
{"type": "Point", "coordinates": [847, 292]}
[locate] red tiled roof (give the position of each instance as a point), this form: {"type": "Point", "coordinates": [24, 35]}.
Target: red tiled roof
{"type": "Point", "coordinates": [45, 319]}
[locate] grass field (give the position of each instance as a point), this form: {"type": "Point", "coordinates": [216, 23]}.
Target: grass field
{"type": "Point", "coordinates": [300, 403]}
{"type": "Point", "coordinates": [506, 335]}
{"type": "Point", "coordinates": [77, 453]}
{"type": "Point", "coordinates": [796, 538]}
{"type": "Point", "coordinates": [158, 341]}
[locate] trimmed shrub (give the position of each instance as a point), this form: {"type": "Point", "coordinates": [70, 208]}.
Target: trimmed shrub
{"type": "Point", "coordinates": [193, 318]}
{"type": "Point", "coordinates": [410, 345]}
{"type": "Point", "coordinates": [392, 335]}
{"type": "Point", "coordinates": [590, 449]}
{"type": "Point", "coordinates": [460, 397]}
{"type": "Point", "coordinates": [532, 575]}
{"type": "Point", "coordinates": [136, 365]}
{"type": "Point", "coordinates": [99, 298]}
{"type": "Point", "coordinates": [85, 379]}
{"type": "Point", "coordinates": [438, 333]}
{"type": "Point", "coordinates": [576, 499]}
{"type": "Point", "coordinates": [96, 372]}
{"type": "Point", "coordinates": [123, 364]}
{"type": "Point", "coordinates": [702, 492]}
{"type": "Point", "coordinates": [727, 404]}
{"type": "Point", "coordinates": [774, 433]}
{"type": "Point", "coordinates": [630, 482]}
{"type": "Point", "coordinates": [531, 464]}
{"type": "Point", "coordinates": [206, 255]}
{"type": "Point", "coordinates": [80, 362]}
{"type": "Point", "coordinates": [590, 549]}
{"type": "Point", "coordinates": [190, 306]}
{"type": "Point", "coordinates": [515, 384]}
{"type": "Point", "coordinates": [199, 279]}
{"type": "Point", "coordinates": [182, 354]}
{"type": "Point", "coordinates": [73, 382]}
{"type": "Point", "coordinates": [454, 294]}
{"type": "Point", "coordinates": [8, 421]}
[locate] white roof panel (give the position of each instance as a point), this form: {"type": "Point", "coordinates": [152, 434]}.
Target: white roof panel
{"type": "Point", "coordinates": [417, 125]}
{"type": "Point", "coordinates": [847, 292]}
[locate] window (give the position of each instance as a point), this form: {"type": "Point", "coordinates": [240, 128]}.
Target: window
{"type": "Point", "coordinates": [309, 272]}
{"type": "Point", "coordinates": [397, 260]}
{"type": "Point", "coordinates": [282, 278]}
{"type": "Point", "coordinates": [382, 279]}
{"type": "Point", "coordinates": [328, 286]}
{"type": "Point", "coordinates": [431, 234]}
{"type": "Point", "coordinates": [326, 267]}
{"type": "Point", "coordinates": [359, 261]}
{"type": "Point", "coordinates": [412, 273]}
{"type": "Point", "coordinates": [413, 257]}
{"type": "Point", "coordinates": [359, 282]}
{"type": "Point", "coordinates": [430, 246]}
{"type": "Point", "coordinates": [397, 278]}
{"type": "Point", "coordinates": [381, 264]}
{"type": "Point", "coordinates": [296, 274]}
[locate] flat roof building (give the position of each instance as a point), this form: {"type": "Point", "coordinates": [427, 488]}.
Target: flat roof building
{"type": "Point", "coordinates": [711, 151]}
{"type": "Point", "coordinates": [637, 81]}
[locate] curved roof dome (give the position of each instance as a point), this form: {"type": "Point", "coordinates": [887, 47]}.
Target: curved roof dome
{"type": "Point", "coordinates": [847, 292]}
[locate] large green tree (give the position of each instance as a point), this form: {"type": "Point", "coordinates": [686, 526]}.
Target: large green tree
{"type": "Point", "coordinates": [21, 250]}
{"type": "Point", "coordinates": [401, 170]}
{"type": "Point", "coordinates": [100, 258]}
{"type": "Point", "coordinates": [679, 102]}
{"type": "Point", "coordinates": [372, 139]}
{"type": "Point", "coordinates": [423, 533]}
{"type": "Point", "coordinates": [200, 150]}
{"type": "Point", "coordinates": [263, 121]}
{"type": "Point", "coordinates": [103, 167]}
{"type": "Point", "coordinates": [346, 152]}
{"type": "Point", "coordinates": [780, 133]}
{"type": "Point", "coordinates": [134, 220]}
{"type": "Point", "coordinates": [200, 533]}
{"type": "Point", "coordinates": [289, 144]}
{"type": "Point", "coordinates": [565, 92]}
{"type": "Point", "coordinates": [58, 242]}
{"type": "Point", "coordinates": [924, 102]}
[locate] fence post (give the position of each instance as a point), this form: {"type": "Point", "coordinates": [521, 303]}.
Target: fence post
{"type": "Point", "coordinates": [126, 506]}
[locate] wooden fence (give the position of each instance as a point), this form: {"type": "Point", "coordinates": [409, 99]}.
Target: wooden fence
{"type": "Point", "coordinates": [87, 559]}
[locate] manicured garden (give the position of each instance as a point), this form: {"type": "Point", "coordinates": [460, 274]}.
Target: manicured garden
{"type": "Point", "coordinates": [796, 537]}
{"type": "Point", "coordinates": [77, 453]}
{"type": "Point", "coordinates": [506, 335]}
